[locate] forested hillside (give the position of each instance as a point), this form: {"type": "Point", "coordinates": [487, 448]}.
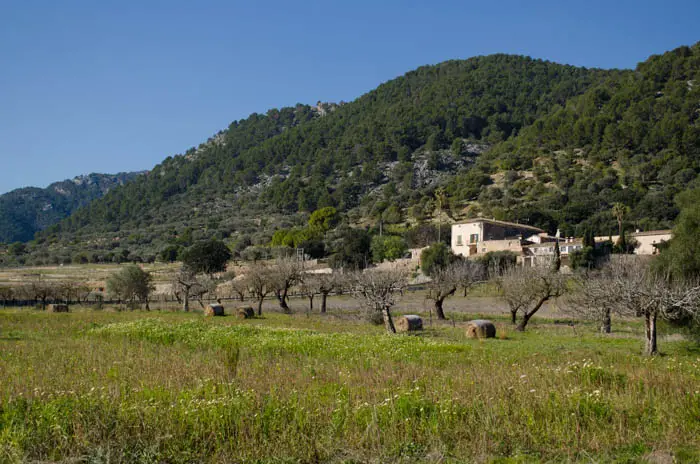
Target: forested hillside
{"type": "Point", "coordinates": [304, 161]}
{"type": "Point", "coordinates": [633, 138]}
{"type": "Point", "coordinates": [25, 211]}
{"type": "Point", "coordinates": [507, 136]}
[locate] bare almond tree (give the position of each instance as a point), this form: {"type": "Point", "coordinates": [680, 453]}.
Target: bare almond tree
{"type": "Point", "coordinates": [379, 291]}
{"type": "Point", "coordinates": [41, 289]}
{"type": "Point", "coordinates": [310, 287]}
{"type": "Point", "coordinates": [286, 273]}
{"type": "Point", "coordinates": [237, 286]}
{"type": "Point", "coordinates": [641, 292]}
{"type": "Point", "coordinates": [445, 282]}
{"type": "Point", "coordinates": [259, 279]}
{"type": "Point", "coordinates": [526, 289]}
{"type": "Point", "coordinates": [188, 285]}
{"type": "Point", "coordinates": [591, 297]}
{"type": "Point", "coordinates": [6, 295]}
{"type": "Point", "coordinates": [324, 285]}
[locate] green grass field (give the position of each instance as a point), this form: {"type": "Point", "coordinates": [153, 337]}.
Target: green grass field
{"type": "Point", "coordinates": [162, 387]}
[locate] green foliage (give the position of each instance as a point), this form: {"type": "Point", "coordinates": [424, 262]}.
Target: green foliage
{"type": "Point", "coordinates": [324, 219]}
{"type": "Point", "coordinates": [681, 258]}
{"type": "Point", "coordinates": [388, 248]}
{"type": "Point", "coordinates": [207, 257]}
{"type": "Point", "coordinates": [17, 249]}
{"type": "Point", "coordinates": [624, 245]}
{"type": "Point", "coordinates": [170, 253]}
{"type": "Point", "coordinates": [354, 251]}
{"type": "Point", "coordinates": [130, 284]}
{"type": "Point", "coordinates": [585, 258]}
{"type": "Point", "coordinates": [497, 262]}
{"type": "Point", "coordinates": [436, 257]}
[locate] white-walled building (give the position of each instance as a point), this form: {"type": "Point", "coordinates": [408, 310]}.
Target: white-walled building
{"type": "Point", "coordinates": [479, 236]}
{"type": "Point", "coordinates": [648, 241]}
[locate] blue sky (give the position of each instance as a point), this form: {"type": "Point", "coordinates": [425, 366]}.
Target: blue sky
{"type": "Point", "coordinates": [113, 86]}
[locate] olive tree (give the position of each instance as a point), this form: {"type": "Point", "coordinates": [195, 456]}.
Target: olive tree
{"type": "Point", "coordinates": [378, 291]}
{"type": "Point", "coordinates": [207, 257]}
{"type": "Point", "coordinates": [131, 285]}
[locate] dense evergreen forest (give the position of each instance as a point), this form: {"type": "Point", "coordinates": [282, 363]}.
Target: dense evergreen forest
{"type": "Point", "coordinates": [504, 136]}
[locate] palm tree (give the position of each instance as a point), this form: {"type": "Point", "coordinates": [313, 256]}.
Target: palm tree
{"type": "Point", "coordinates": [620, 210]}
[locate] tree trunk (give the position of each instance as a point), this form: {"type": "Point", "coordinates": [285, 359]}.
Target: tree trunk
{"type": "Point", "coordinates": [523, 322]}
{"type": "Point", "coordinates": [260, 302]}
{"type": "Point", "coordinates": [650, 323]}
{"type": "Point", "coordinates": [513, 315]}
{"type": "Point", "coordinates": [529, 314]}
{"type": "Point", "coordinates": [186, 301]}
{"type": "Point", "coordinates": [282, 298]}
{"type": "Point", "coordinates": [324, 297]}
{"type": "Point", "coordinates": [438, 308]}
{"type": "Point", "coordinates": [311, 302]}
{"type": "Point", "coordinates": [388, 321]}
{"type": "Point", "coordinates": [607, 323]}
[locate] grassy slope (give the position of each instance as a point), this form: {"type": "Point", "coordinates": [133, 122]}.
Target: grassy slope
{"type": "Point", "coordinates": [173, 387]}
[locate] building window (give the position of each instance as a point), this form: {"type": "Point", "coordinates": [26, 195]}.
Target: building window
{"type": "Point", "coordinates": [474, 238]}
{"type": "Point", "coordinates": [459, 240]}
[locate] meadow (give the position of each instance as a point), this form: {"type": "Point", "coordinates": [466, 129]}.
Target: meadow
{"type": "Point", "coordinates": [159, 386]}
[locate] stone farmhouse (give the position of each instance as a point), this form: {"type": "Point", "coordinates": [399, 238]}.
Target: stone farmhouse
{"type": "Point", "coordinates": [534, 247]}
{"type": "Point", "coordinates": [480, 236]}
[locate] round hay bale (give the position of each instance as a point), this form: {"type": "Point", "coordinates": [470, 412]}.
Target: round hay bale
{"type": "Point", "coordinates": [214, 310]}
{"type": "Point", "coordinates": [409, 323]}
{"type": "Point", "coordinates": [245, 312]}
{"type": "Point", "coordinates": [481, 328]}
{"type": "Point", "coordinates": [58, 308]}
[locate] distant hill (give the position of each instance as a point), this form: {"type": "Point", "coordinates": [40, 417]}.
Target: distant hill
{"type": "Point", "coordinates": [25, 211]}
{"type": "Point", "coordinates": [509, 137]}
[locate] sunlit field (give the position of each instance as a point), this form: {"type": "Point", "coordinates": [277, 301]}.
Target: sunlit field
{"type": "Point", "coordinates": [108, 386]}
